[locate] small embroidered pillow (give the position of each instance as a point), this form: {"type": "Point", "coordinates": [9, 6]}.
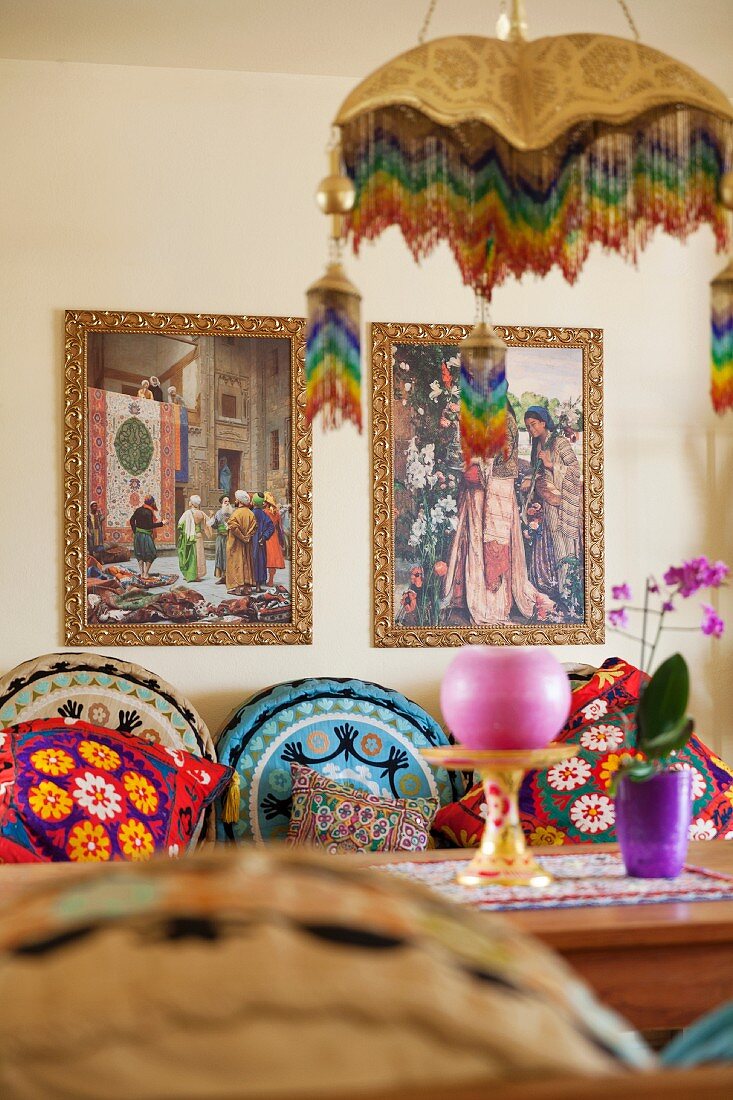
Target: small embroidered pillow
{"type": "Point", "coordinates": [342, 818]}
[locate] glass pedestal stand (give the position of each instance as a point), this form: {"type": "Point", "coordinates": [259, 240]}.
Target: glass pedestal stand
{"type": "Point", "coordinates": [503, 857]}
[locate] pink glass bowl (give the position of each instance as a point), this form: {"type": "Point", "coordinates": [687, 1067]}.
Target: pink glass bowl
{"type": "Point", "coordinates": [503, 698]}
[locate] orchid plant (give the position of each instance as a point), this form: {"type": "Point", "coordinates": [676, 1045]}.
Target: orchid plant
{"type": "Point", "coordinates": [662, 722]}
{"type": "Point", "coordinates": [661, 600]}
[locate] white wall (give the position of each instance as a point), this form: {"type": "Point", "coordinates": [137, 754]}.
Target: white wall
{"type": "Point", "coordinates": [173, 189]}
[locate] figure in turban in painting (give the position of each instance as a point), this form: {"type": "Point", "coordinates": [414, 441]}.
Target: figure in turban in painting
{"type": "Point", "coordinates": [144, 521]}
{"type": "Point", "coordinates": [221, 519]}
{"type": "Point", "coordinates": [242, 528]}
{"type": "Point", "coordinates": [193, 527]}
{"type": "Point", "coordinates": [276, 541]}
{"type": "Point", "coordinates": [265, 530]}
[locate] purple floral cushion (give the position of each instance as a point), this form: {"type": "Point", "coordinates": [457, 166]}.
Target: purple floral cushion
{"type": "Point", "coordinates": [70, 790]}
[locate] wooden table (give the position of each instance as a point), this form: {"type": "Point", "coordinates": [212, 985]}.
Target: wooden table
{"type": "Point", "coordinates": [661, 966]}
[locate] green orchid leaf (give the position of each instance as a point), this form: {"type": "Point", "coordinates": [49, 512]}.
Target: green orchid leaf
{"type": "Point", "coordinates": [638, 770]}
{"type": "Point", "coordinates": [673, 739]}
{"type": "Point", "coordinates": [641, 771]}
{"type": "Point", "coordinates": [664, 702]}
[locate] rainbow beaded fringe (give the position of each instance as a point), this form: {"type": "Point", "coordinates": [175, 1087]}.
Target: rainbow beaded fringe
{"type": "Point", "coordinates": [721, 389]}
{"type": "Point", "coordinates": [505, 212]}
{"type": "Point", "coordinates": [332, 351]}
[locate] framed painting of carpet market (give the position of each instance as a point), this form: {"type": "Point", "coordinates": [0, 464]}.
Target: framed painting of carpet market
{"type": "Point", "coordinates": [187, 480]}
{"type": "Point", "coordinates": [507, 552]}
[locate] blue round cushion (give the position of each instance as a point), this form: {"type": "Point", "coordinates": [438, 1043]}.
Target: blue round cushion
{"type": "Point", "coordinates": [348, 730]}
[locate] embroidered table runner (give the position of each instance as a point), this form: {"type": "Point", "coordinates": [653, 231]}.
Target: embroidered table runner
{"type": "Point", "coordinates": [580, 880]}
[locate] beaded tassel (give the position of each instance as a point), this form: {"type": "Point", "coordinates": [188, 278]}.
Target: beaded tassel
{"type": "Point", "coordinates": [483, 414]}
{"type": "Point", "coordinates": [332, 350]}
{"type": "Point", "coordinates": [722, 340]}
{"type": "Point", "coordinates": [332, 346]}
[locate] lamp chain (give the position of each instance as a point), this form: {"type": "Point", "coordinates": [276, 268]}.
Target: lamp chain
{"type": "Point", "coordinates": [426, 23]}
{"type": "Point", "coordinates": [431, 8]}
{"type": "Point", "coordinates": [629, 18]}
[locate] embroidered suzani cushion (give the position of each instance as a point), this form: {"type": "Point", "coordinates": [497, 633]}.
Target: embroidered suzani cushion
{"type": "Point", "coordinates": [73, 791]}
{"type": "Point", "coordinates": [570, 802]}
{"type": "Point", "coordinates": [107, 692]}
{"type": "Point", "coordinates": [343, 818]}
{"type": "Point", "coordinates": [350, 731]}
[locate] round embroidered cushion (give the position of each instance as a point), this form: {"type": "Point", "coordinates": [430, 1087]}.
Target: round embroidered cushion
{"type": "Point", "coordinates": [349, 730]}
{"type": "Point", "coordinates": [106, 692]}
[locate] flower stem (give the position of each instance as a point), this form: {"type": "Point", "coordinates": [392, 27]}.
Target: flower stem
{"type": "Point", "coordinates": [643, 622]}
{"type": "Point", "coordinates": [687, 629]}
{"type": "Point", "coordinates": [660, 624]}
{"type": "Point", "coordinates": [634, 637]}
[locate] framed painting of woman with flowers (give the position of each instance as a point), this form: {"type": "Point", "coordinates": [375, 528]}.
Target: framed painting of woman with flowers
{"type": "Point", "coordinates": [502, 552]}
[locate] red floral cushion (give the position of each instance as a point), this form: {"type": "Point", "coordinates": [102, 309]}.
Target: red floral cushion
{"type": "Point", "coordinates": [73, 791]}
{"type": "Point", "coordinates": [570, 802]}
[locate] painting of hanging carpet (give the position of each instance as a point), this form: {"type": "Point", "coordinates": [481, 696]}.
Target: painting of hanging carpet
{"type": "Point", "coordinates": [508, 551]}
{"type": "Point", "coordinates": [187, 480]}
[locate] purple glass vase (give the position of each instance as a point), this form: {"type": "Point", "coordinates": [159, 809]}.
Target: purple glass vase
{"type": "Point", "coordinates": [652, 823]}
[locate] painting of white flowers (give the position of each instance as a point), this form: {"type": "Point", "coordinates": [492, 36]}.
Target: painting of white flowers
{"type": "Point", "coordinates": [506, 551]}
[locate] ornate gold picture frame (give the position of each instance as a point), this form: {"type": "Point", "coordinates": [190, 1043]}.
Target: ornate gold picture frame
{"type": "Point", "coordinates": [503, 553]}
{"type": "Point", "coordinates": [187, 480]}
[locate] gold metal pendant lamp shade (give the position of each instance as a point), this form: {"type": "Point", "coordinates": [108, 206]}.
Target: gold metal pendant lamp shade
{"type": "Point", "coordinates": [522, 155]}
